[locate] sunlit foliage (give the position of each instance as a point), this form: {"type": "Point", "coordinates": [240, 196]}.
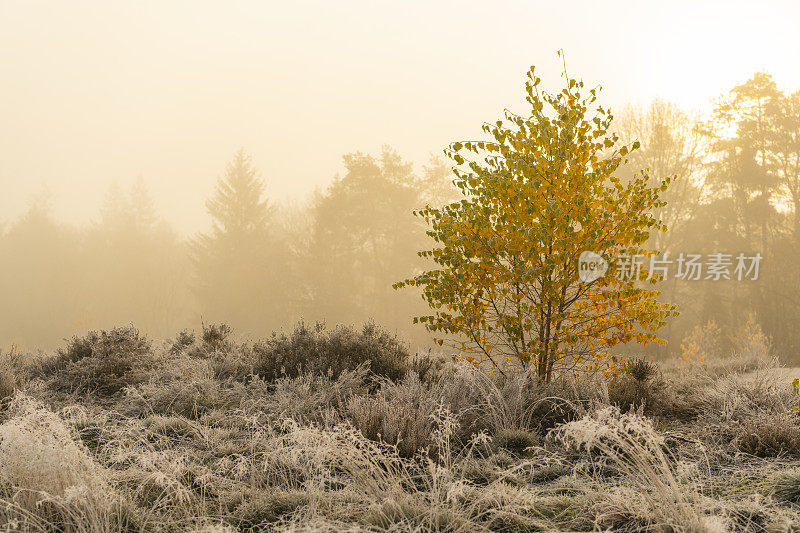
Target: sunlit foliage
{"type": "Point", "coordinates": [544, 190]}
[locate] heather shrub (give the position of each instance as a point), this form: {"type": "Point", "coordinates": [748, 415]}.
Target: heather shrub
{"type": "Point", "coordinates": [182, 340]}
{"type": "Point", "coordinates": [216, 337]}
{"type": "Point", "coordinates": [626, 393]}
{"type": "Point", "coordinates": [320, 351]}
{"type": "Point", "coordinates": [8, 385]}
{"type": "Point", "coordinates": [639, 385]}
{"type": "Point", "coordinates": [104, 362]}
{"type": "Point", "coordinates": [228, 359]}
{"type": "Point", "coordinates": [427, 366]}
{"type": "Point", "coordinates": [236, 363]}
{"type": "Point", "coordinates": [640, 370]}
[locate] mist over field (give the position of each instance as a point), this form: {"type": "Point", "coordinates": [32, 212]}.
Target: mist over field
{"type": "Point", "coordinates": [371, 266]}
{"type": "Point", "coordinates": [119, 123]}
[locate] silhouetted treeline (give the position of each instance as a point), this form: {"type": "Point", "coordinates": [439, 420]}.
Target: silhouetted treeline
{"type": "Point", "coordinates": [737, 191]}
{"type": "Point", "coordinates": [264, 265]}
{"type": "Point", "coordinates": [261, 267]}
{"type": "Point", "coordinates": [56, 280]}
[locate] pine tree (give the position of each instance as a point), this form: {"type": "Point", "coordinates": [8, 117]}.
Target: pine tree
{"type": "Point", "coordinates": [238, 210]}
{"type": "Point", "coordinates": [239, 263]}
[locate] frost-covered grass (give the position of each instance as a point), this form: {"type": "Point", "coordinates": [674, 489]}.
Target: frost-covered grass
{"type": "Point", "coordinates": [190, 438]}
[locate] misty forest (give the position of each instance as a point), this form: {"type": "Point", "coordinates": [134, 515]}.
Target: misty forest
{"type": "Point", "coordinates": [265, 266]}
{"type": "Point", "coordinates": [576, 316]}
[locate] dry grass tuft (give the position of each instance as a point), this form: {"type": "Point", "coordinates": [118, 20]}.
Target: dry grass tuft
{"type": "Point", "coordinates": [770, 435]}
{"type": "Point", "coordinates": [630, 443]}
{"type": "Point", "coordinates": [47, 479]}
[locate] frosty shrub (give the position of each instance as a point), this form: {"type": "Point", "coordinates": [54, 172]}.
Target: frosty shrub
{"type": "Point", "coordinates": [640, 370]}
{"type": "Point", "coordinates": [319, 351]}
{"type": "Point", "coordinates": [702, 343]}
{"type": "Point", "coordinates": [104, 362]}
{"type": "Point", "coordinates": [401, 414]}
{"type": "Point", "coordinates": [216, 337]}
{"type": "Point", "coordinates": [750, 341]}
{"type": "Point", "coordinates": [182, 340]}
{"type": "Point", "coordinates": [638, 386]}
{"type": "Point", "coordinates": [306, 398]}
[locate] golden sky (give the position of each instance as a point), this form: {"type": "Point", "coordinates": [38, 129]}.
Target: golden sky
{"type": "Point", "coordinates": [100, 91]}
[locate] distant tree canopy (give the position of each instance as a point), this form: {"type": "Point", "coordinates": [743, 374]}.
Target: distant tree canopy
{"type": "Point", "coordinates": [364, 237]}
{"type": "Point", "coordinates": [737, 190]}
{"type": "Point", "coordinates": [670, 146]}
{"type": "Point", "coordinates": [260, 267]}
{"type": "Point", "coordinates": [126, 267]}
{"type": "Point", "coordinates": [752, 180]}
{"type": "Point", "coordinates": [506, 284]}
{"type": "Point", "coordinates": [40, 278]}
{"type": "Point", "coordinates": [138, 262]}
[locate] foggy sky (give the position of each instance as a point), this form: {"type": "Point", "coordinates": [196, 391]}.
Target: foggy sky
{"type": "Point", "coordinates": [96, 92]}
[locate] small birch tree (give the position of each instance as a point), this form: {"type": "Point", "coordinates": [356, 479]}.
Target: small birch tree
{"type": "Point", "coordinates": [507, 284]}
